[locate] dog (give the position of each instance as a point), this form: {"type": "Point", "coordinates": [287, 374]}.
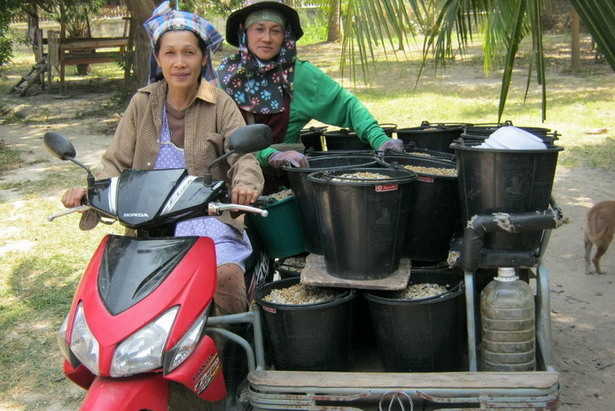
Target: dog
{"type": "Point", "coordinates": [599, 230]}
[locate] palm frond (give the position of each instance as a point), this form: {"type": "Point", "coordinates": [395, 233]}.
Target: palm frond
{"type": "Point", "coordinates": [598, 16]}
{"type": "Point", "coordinates": [448, 27]}
{"type": "Point", "coordinates": [366, 25]}
{"type": "Point", "coordinates": [513, 45]}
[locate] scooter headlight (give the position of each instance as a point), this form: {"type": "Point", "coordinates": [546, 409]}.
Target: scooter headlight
{"type": "Point", "coordinates": [142, 351]}
{"type": "Point", "coordinates": [83, 344]}
{"type": "Point", "coordinates": [182, 350]}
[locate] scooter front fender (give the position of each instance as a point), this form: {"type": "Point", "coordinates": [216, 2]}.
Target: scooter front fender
{"type": "Point", "coordinates": [150, 392]}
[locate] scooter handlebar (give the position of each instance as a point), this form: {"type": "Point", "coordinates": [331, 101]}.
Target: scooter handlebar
{"type": "Point", "coordinates": [218, 208]}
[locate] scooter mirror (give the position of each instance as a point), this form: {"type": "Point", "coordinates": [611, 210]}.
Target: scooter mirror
{"type": "Point", "coordinates": [59, 146]}
{"type": "Point", "coordinates": [250, 138]}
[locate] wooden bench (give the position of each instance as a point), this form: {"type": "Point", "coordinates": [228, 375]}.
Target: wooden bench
{"type": "Point", "coordinates": [72, 52]}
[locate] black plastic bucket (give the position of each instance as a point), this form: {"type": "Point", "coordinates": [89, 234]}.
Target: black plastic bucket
{"type": "Point", "coordinates": [511, 181]}
{"type": "Point", "coordinates": [436, 137]}
{"type": "Point", "coordinates": [344, 139]}
{"type": "Point", "coordinates": [426, 153]}
{"type": "Point", "coordinates": [388, 128]}
{"type": "Point", "coordinates": [304, 191]}
{"type": "Point", "coordinates": [426, 334]}
{"type": "Point", "coordinates": [435, 214]}
{"type": "Point", "coordinates": [318, 153]}
{"type": "Point", "coordinates": [363, 222]}
{"type": "Point", "coordinates": [310, 337]}
{"type": "Point", "coordinates": [310, 137]}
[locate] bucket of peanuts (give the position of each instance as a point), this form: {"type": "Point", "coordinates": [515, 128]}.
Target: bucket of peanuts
{"type": "Point", "coordinates": [362, 212]}
{"type": "Point", "coordinates": [421, 328]}
{"type": "Point", "coordinates": [306, 327]}
{"type": "Point", "coordinates": [435, 213]}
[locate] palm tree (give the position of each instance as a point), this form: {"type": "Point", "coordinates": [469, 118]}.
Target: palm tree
{"type": "Point", "coordinates": [450, 24]}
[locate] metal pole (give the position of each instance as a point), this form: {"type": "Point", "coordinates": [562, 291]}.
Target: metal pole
{"type": "Point", "coordinates": [544, 315]}
{"type": "Point", "coordinates": [470, 320]}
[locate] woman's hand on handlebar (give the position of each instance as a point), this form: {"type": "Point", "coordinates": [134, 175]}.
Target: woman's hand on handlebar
{"type": "Point", "coordinates": [244, 195]}
{"type": "Point", "coordinates": [73, 197]}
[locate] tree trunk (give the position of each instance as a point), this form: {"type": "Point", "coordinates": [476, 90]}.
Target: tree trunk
{"type": "Point", "coordinates": [33, 35]}
{"type": "Point", "coordinates": [334, 32]}
{"type": "Point", "coordinates": [575, 43]}
{"type": "Point", "coordinates": [86, 32]}
{"type": "Point", "coordinates": [141, 10]}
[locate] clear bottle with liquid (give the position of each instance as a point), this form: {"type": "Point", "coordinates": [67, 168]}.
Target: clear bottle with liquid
{"type": "Point", "coordinates": [508, 339]}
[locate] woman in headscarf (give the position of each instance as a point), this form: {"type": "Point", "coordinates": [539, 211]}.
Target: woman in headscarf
{"type": "Point", "coordinates": [271, 86]}
{"type": "Point", "coordinates": [182, 121]}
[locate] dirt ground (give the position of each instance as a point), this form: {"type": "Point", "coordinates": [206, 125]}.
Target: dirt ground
{"type": "Point", "coordinates": [582, 309]}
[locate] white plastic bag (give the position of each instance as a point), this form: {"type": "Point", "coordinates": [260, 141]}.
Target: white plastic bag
{"type": "Point", "coordinates": [513, 138]}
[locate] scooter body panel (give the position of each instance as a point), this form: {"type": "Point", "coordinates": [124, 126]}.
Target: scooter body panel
{"type": "Point", "coordinates": [190, 286]}
{"type": "Point", "coordinates": [202, 372]}
{"type": "Point", "coordinates": [80, 375]}
{"type": "Point", "coordinates": [149, 391]}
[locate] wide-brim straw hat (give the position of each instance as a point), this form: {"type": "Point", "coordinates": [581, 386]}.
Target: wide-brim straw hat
{"type": "Point", "coordinates": [239, 16]}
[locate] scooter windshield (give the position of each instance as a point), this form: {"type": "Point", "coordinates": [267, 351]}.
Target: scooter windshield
{"type": "Point", "coordinates": [146, 198]}
{"type": "Point", "coordinates": [132, 268]}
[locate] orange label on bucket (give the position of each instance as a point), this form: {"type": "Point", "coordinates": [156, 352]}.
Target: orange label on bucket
{"type": "Point", "coordinates": [269, 309]}
{"type": "Point", "coordinates": [425, 179]}
{"type": "Point", "coordinates": [386, 187]}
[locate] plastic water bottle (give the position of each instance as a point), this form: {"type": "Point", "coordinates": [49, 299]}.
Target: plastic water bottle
{"type": "Point", "coordinates": [508, 340]}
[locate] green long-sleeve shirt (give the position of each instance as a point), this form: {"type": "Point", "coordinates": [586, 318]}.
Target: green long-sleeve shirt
{"type": "Point", "coordinates": [317, 96]}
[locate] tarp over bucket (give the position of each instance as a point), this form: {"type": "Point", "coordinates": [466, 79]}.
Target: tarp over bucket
{"type": "Point", "coordinates": [362, 220]}
{"type": "Point", "coordinates": [480, 132]}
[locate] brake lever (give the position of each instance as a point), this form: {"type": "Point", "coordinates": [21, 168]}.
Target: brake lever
{"type": "Point", "coordinates": [68, 211]}
{"type": "Point", "coordinates": [219, 208]}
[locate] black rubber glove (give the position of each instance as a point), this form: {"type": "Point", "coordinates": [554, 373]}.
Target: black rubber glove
{"type": "Point", "coordinates": [294, 158]}
{"type": "Point", "coordinates": [393, 144]}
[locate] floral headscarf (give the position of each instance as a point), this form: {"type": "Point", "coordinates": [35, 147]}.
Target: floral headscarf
{"type": "Point", "coordinates": [259, 86]}
{"type": "Point", "coordinates": [164, 19]}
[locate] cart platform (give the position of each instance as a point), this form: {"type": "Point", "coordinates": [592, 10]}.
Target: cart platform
{"type": "Point", "coordinates": [308, 390]}
{"type": "Point", "coordinates": [315, 274]}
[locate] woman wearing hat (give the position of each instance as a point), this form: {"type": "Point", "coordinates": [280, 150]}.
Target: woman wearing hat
{"type": "Point", "coordinates": [271, 86]}
{"type": "Point", "coordinates": [182, 121]}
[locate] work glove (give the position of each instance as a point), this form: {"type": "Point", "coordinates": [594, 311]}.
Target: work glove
{"type": "Point", "coordinates": [392, 144]}
{"type": "Point", "coordinates": [294, 158]}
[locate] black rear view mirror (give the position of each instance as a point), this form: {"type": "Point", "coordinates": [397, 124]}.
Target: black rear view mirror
{"type": "Point", "coordinates": [59, 146]}
{"type": "Point", "coordinates": [252, 137]}
{"type": "Point", "coordinates": [62, 148]}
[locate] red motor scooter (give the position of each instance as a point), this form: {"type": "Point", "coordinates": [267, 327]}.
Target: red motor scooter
{"type": "Point", "coordinates": [140, 317]}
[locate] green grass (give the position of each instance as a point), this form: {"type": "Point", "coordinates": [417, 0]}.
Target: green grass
{"type": "Point", "coordinates": [9, 158]}
{"type": "Point", "coordinates": [19, 66]}
{"type": "Point", "coordinates": [36, 288]}
{"type": "Point", "coordinates": [115, 104]}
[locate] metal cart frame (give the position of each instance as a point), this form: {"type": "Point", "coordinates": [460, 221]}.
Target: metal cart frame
{"type": "Point", "coordinates": [303, 390]}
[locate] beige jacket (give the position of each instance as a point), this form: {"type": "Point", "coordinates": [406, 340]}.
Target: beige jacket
{"type": "Point", "coordinates": [209, 119]}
